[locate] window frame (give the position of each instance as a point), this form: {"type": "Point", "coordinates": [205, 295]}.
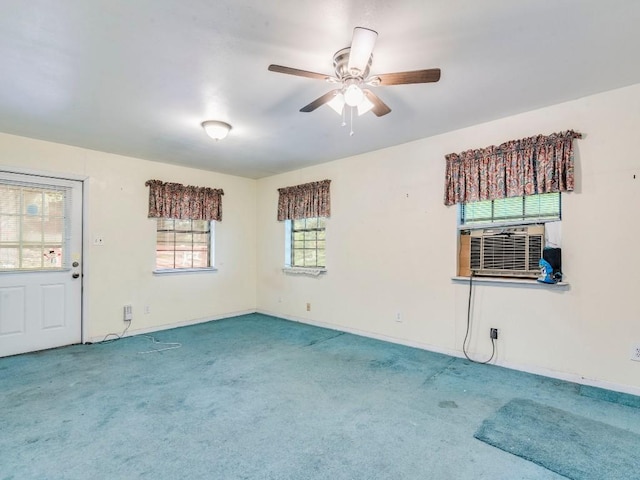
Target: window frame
{"type": "Point", "coordinates": [56, 245]}
{"type": "Point", "coordinates": [210, 247]}
{"type": "Point", "coordinates": [501, 222]}
{"type": "Point", "coordinates": [289, 253]}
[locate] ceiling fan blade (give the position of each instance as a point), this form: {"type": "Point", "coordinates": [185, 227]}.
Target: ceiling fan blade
{"type": "Point", "coordinates": [379, 107]}
{"type": "Point", "coordinates": [318, 102]}
{"type": "Point", "coordinates": [362, 45]}
{"type": "Point", "coordinates": [297, 72]}
{"type": "Point", "coordinates": [416, 76]}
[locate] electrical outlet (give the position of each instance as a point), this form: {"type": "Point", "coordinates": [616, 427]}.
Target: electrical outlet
{"type": "Point", "coordinates": [399, 317]}
{"type": "Point", "coordinates": [147, 309]}
{"type": "Point", "coordinates": [493, 333]}
{"type": "Point", "coordinates": [127, 313]}
{"type": "Point", "coordinates": [308, 307]}
{"type": "Point", "coordinates": [635, 352]}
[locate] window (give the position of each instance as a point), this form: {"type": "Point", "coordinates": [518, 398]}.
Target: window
{"type": "Point", "coordinates": [507, 237]}
{"type": "Point", "coordinates": [304, 209]}
{"type": "Point", "coordinates": [184, 244]}
{"type": "Point", "coordinates": [491, 230]}
{"type": "Point", "coordinates": [538, 208]}
{"type": "Point", "coordinates": [33, 227]}
{"type": "Point", "coordinates": [306, 239]}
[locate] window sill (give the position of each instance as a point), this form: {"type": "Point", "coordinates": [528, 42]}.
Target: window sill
{"type": "Point", "coordinates": [184, 271]}
{"type": "Point", "coordinates": [521, 282]}
{"type": "Point", "coordinates": [312, 272]}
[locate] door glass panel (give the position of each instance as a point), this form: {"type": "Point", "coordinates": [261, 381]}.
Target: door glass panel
{"type": "Point", "coordinates": [32, 257]}
{"type": "Point", "coordinates": [32, 227]}
{"type": "Point", "coordinates": [9, 258]}
{"type": "Point", "coordinates": [9, 228]}
{"type": "Point", "coordinates": [52, 229]}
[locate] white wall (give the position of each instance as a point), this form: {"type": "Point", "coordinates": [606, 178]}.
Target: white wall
{"type": "Point", "coordinates": [392, 248]}
{"type": "Point", "coordinates": [119, 272]}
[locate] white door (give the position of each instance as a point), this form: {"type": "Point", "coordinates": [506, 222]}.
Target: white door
{"type": "Point", "coordinates": [40, 263]}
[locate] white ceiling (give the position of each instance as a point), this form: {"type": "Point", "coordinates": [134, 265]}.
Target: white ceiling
{"type": "Point", "coordinates": [137, 77]}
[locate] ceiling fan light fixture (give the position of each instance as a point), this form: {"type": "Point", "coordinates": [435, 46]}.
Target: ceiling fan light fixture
{"type": "Point", "coordinates": [362, 45]}
{"type": "Point", "coordinates": [353, 95]}
{"type": "Point", "coordinates": [216, 129]}
{"type": "Point", "coordinates": [365, 106]}
{"type": "Point", "coordinates": [337, 103]}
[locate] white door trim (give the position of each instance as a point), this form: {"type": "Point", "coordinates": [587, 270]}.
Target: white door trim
{"type": "Point", "coordinates": [43, 173]}
{"type": "Point", "coordinates": [84, 334]}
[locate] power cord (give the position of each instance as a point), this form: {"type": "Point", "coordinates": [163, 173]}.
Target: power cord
{"type": "Point", "coordinates": [118, 337]}
{"type": "Point", "coordinates": [466, 335]}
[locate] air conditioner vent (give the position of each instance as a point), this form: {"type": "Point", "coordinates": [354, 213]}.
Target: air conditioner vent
{"type": "Point", "coordinates": [506, 252]}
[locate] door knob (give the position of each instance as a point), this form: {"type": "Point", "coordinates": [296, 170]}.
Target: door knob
{"type": "Point", "coordinates": [75, 275]}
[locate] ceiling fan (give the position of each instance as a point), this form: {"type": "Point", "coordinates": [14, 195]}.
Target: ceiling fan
{"type": "Point", "coordinates": [352, 66]}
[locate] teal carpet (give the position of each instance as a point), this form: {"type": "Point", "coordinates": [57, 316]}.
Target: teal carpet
{"type": "Point", "coordinates": [571, 445]}
{"type": "Point", "coordinates": [256, 397]}
{"type": "Point", "coordinates": [609, 396]}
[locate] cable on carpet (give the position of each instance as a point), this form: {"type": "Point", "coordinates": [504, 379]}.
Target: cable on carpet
{"type": "Point", "coordinates": [170, 345]}
{"type": "Point", "coordinates": [466, 335]}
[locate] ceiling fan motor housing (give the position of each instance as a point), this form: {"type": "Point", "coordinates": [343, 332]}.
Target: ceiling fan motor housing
{"type": "Point", "coordinates": [341, 66]}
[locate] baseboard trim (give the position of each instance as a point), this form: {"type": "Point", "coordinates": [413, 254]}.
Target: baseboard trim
{"type": "Point", "coordinates": [365, 333]}
{"type": "Point", "coordinates": [568, 377]}
{"type": "Point", "coordinates": [184, 323]}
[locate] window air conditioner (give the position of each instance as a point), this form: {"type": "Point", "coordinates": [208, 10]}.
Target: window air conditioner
{"type": "Point", "coordinates": [502, 252]}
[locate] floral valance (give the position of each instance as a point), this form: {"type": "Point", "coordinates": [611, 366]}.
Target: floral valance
{"type": "Point", "coordinates": [540, 164]}
{"type": "Point", "coordinates": [304, 201]}
{"type": "Point", "coordinates": [173, 200]}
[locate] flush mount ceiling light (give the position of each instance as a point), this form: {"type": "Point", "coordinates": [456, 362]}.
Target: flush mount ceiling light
{"type": "Point", "coordinates": [215, 129]}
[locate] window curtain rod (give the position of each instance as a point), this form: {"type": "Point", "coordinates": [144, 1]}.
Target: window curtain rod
{"type": "Point", "coordinates": [504, 148]}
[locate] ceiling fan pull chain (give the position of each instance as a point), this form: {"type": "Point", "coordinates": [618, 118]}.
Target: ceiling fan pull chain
{"type": "Point", "coordinates": [351, 122]}
{"type": "Point", "coordinates": [344, 116]}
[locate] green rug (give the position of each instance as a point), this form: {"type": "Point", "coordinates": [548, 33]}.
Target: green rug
{"type": "Point", "coordinates": [568, 444]}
